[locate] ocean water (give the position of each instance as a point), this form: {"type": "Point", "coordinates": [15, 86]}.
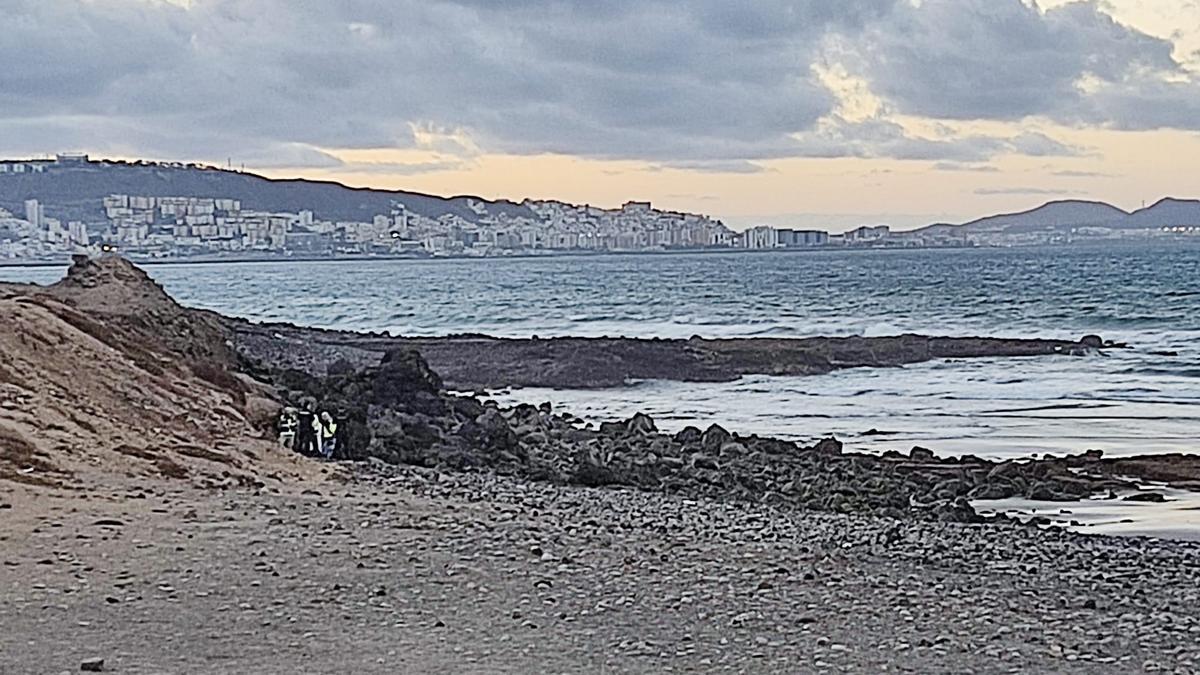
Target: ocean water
{"type": "Point", "coordinates": [1125, 402]}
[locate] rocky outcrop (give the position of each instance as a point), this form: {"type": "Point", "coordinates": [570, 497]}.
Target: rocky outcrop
{"type": "Point", "coordinates": [103, 374]}
{"type": "Point", "coordinates": [397, 414]}
{"type": "Point", "coordinates": [113, 292]}
{"type": "Point", "coordinates": [476, 362]}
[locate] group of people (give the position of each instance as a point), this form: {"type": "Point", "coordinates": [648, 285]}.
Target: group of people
{"type": "Point", "coordinates": [309, 432]}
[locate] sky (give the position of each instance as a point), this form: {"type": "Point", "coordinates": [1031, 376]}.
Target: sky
{"type": "Point", "coordinates": [814, 113]}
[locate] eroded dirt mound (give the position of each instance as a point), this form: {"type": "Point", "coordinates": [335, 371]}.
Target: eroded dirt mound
{"type": "Point", "coordinates": [103, 373]}
{"type": "Point", "coordinates": [116, 293]}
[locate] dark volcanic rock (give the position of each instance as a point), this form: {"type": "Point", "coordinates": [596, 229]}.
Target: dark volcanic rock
{"type": "Point", "coordinates": [1150, 497]}
{"type": "Point", "coordinates": [688, 435]}
{"type": "Point", "coordinates": [828, 446]}
{"type": "Point", "coordinates": [641, 424]}
{"type": "Point", "coordinates": [479, 362]}
{"type": "Point", "coordinates": [397, 411]}
{"type": "Point", "coordinates": [491, 432]}
{"type": "Point", "coordinates": [919, 454]}
{"type": "Point", "coordinates": [714, 437]}
{"type": "Point", "coordinates": [404, 380]}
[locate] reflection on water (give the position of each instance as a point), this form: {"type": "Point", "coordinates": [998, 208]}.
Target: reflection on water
{"type": "Point", "coordinates": [1176, 518]}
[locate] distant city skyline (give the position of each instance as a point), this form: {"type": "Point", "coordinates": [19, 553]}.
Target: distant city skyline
{"type": "Point", "coordinates": [791, 114]}
{"type": "Point", "coordinates": [834, 223]}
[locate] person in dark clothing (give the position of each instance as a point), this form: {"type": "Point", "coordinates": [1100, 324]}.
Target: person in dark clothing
{"type": "Point", "coordinates": [306, 434]}
{"type": "Point", "coordinates": [341, 437]}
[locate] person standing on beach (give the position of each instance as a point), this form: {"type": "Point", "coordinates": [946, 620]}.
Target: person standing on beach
{"type": "Point", "coordinates": [287, 428]}
{"type": "Point", "coordinates": [306, 433]}
{"type": "Point", "coordinates": [317, 445]}
{"type": "Point", "coordinates": [327, 435]}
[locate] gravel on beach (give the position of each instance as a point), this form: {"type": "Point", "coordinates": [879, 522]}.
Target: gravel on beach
{"type": "Point", "coordinates": [410, 570]}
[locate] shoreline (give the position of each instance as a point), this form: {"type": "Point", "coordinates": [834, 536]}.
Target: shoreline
{"type": "Point", "coordinates": [205, 260]}
{"type": "Point", "coordinates": [390, 396]}
{"type": "Point", "coordinates": [1176, 518]}
{"type": "Point", "coordinates": [561, 254]}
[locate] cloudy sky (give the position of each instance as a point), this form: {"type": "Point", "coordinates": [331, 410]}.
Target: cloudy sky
{"type": "Point", "coordinates": [807, 112]}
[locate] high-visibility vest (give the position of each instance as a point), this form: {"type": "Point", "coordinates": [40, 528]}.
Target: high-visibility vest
{"type": "Point", "coordinates": [329, 431]}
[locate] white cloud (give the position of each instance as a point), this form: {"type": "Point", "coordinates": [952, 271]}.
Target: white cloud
{"type": "Point", "coordinates": [958, 166]}
{"type": "Point", "coordinates": [1024, 191]}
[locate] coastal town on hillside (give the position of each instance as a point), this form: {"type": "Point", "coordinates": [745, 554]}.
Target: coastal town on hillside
{"type": "Point", "coordinates": [182, 226]}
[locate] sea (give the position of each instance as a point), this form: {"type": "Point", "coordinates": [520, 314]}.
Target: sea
{"type": "Point", "coordinates": [1141, 399]}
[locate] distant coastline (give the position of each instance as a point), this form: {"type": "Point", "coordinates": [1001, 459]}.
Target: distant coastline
{"type": "Point", "coordinates": [165, 213]}
{"type": "Point", "coordinates": [217, 260]}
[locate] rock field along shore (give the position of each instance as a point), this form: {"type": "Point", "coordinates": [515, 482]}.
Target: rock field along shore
{"type": "Point", "coordinates": [479, 362]}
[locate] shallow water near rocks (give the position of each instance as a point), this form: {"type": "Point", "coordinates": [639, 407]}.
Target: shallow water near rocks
{"type": "Point", "coordinates": [1176, 518]}
{"type": "Point", "coordinates": [990, 408]}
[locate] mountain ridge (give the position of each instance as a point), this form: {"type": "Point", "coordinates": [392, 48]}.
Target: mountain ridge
{"type": "Point", "coordinates": [1073, 213]}
{"type": "Point", "coordinates": [73, 191]}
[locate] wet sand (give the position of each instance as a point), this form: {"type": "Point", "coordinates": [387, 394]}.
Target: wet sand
{"type": "Point", "coordinates": [1176, 518]}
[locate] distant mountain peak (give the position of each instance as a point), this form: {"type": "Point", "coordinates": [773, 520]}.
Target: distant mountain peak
{"type": "Point", "coordinates": [1171, 201]}
{"type": "Point", "coordinates": [1053, 214]}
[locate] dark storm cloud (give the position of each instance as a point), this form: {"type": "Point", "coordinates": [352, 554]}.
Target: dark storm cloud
{"type": "Point", "coordinates": [1138, 104]}
{"type": "Point", "coordinates": [57, 53]}
{"type": "Point", "coordinates": [601, 79]}
{"type": "Point", "coordinates": [1007, 60]}
{"type": "Point", "coordinates": [879, 137]}
{"type": "Point", "coordinates": [705, 85]}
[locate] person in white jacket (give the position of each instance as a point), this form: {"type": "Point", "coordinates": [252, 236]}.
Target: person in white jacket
{"type": "Point", "coordinates": [326, 434]}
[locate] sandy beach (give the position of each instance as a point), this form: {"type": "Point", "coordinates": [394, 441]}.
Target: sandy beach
{"type": "Point", "coordinates": [418, 571]}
